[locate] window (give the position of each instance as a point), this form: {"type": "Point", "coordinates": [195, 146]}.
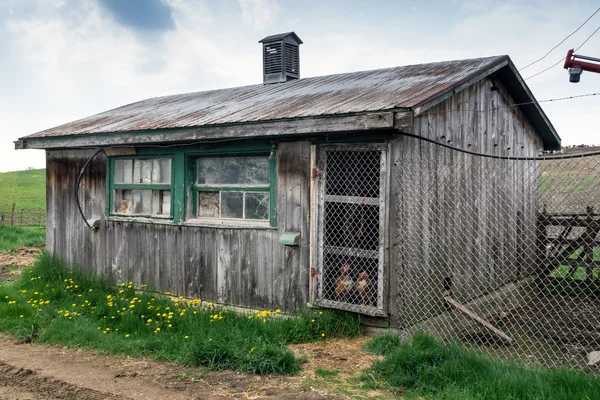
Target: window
{"type": "Point", "coordinates": [232, 185]}
{"type": "Point", "coordinates": [141, 187]}
{"type": "Point", "coordinates": [234, 188]}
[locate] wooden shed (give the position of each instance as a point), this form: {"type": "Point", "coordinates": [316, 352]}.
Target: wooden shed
{"type": "Point", "coordinates": [281, 194]}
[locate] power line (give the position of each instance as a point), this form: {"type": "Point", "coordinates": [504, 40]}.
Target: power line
{"type": "Point", "coordinates": [514, 105]}
{"type": "Point", "coordinates": [562, 58]}
{"type": "Point", "coordinates": [588, 38]}
{"type": "Point", "coordinates": [561, 42]}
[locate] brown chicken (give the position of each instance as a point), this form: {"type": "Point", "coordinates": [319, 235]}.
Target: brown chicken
{"type": "Point", "coordinates": [363, 287]}
{"type": "Point", "coordinates": [344, 283]}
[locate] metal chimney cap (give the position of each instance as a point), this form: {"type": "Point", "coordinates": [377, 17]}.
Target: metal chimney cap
{"type": "Point", "coordinates": [281, 36]}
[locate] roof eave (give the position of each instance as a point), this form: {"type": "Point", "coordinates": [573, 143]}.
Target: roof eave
{"type": "Point", "coordinates": [398, 119]}
{"type": "Point", "coordinates": [506, 71]}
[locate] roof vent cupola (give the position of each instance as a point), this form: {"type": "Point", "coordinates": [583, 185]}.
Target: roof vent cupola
{"type": "Point", "coordinates": [281, 57]}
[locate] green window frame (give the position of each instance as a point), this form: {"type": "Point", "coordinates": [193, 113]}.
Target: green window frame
{"type": "Point", "coordinates": [234, 187]}
{"type": "Point", "coordinates": [184, 187]}
{"type": "Point", "coordinates": [140, 186]}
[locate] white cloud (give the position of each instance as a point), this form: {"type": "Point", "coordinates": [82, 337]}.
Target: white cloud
{"type": "Point", "coordinates": [259, 13]}
{"type": "Point", "coordinates": [67, 60]}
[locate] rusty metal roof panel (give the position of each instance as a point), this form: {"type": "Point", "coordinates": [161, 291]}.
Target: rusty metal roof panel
{"type": "Point", "coordinates": [355, 92]}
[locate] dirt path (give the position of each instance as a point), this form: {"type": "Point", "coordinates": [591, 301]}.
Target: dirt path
{"type": "Point", "coordinates": [11, 262]}
{"type": "Point", "coordinates": [33, 371]}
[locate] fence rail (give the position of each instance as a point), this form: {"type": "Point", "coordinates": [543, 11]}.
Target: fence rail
{"type": "Point", "coordinates": [22, 217]}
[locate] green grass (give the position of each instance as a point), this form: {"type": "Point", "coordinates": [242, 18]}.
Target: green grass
{"type": "Point", "coordinates": [13, 237]}
{"type": "Point", "coordinates": [428, 368]}
{"type": "Point", "coordinates": [27, 189]}
{"type": "Point", "coordinates": [325, 373]}
{"type": "Point", "coordinates": [58, 306]}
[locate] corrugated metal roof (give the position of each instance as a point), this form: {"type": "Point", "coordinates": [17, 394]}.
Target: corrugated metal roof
{"type": "Point", "coordinates": [356, 92]}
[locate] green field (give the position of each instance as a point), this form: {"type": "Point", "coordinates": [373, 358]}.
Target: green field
{"type": "Point", "coordinates": [27, 189]}
{"type": "Point", "coordinates": [13, 237]}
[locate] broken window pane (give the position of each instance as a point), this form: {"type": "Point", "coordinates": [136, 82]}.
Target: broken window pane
{"type": "Point", "coordinates": [208, 171]}
{"type": "Point", "coordinates": [257, 205]}
{"type": "Point", "coordinates": [232, 204]}
{"type": "Point", "coordinates": [257, 170]}
{"type": "Point", "coordinates": [208, 205]}
{"type": "Point", "coordinates": [161, 170]}
{"type": "Point", "coordinates": [232, 171]}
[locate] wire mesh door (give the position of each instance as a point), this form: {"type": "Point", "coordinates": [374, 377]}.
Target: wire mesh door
{"type": "Point", "coordinates": [351, 227]}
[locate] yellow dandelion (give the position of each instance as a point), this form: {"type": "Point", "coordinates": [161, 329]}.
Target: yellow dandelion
{"type": "Point", "coordinates": [127, 335]}
{"type": "Point", "coordinates": [186, 337]}
{"type": "Point", "coordinates": [322, 335]}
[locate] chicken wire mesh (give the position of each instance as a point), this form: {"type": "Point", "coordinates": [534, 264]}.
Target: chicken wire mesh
{"type": "Point", "coordinates": [351, 214]}
{"type": "Point", "coordinates": [500, 254]}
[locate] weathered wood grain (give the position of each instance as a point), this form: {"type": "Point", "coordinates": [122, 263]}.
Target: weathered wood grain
{"type": "Point", "coordinates": [457, 215]}
{"type": "Point", "coordinates": [244, 266]}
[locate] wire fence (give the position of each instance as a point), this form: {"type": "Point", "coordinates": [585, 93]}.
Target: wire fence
{"type": "Point", "coordinates": [23, 218]}
{"type": "Point", "coordinates": [503, 255]}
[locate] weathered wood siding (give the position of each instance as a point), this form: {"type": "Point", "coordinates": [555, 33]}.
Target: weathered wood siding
{"type": "Point", "coordinates": [461, 216]}
{"type": "Point", "coordinates": [238, 266]}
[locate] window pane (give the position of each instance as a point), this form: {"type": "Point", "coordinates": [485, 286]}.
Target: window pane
{"type": "Point", "coordinates": [137, 171]}
{"type": "Point", "coordinates": [161, 170]}
{"type": "Point", "coordinates": [257, 205]}
{"type": "Point", "coordinates": [146, 171]}
{"type": "Point", "coordinates": [232, 170]}
{"type": "Point", "coordinates": [119, 170]}
{"type": "Point", "coordinates": [161, 202]}
{"type": "Point", "coordinates": [127, 171]}
{"type": "Point", "coordinates": [208, 170]}
{"type": "Point", "coordinates": [232, 204]}
{"type": "Point", "coordinates": [208, 205]}
{"type": "Point", "coordinates": [142, 201]}
{"type": "Point", "coordinates": [123, 171]}
{"type": "Point", "coordinates": [123, 199]}
{"type": "Point", "coordinates": [257, 170]}
{"type": "Point", "coordinates": [166, 202]}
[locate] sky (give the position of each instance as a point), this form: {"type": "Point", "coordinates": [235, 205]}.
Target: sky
{"type": "Point", "coordinates": [61, 60]}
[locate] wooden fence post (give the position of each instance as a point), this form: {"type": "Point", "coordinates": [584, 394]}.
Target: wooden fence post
{"type": "Point", "coordinates": [12, 214]}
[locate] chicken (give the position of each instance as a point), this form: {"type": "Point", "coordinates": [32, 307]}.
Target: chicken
{"type": "Point", "coordinates": [363, 287]}
{"type": "Point", "coordinates": [344, 283]}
